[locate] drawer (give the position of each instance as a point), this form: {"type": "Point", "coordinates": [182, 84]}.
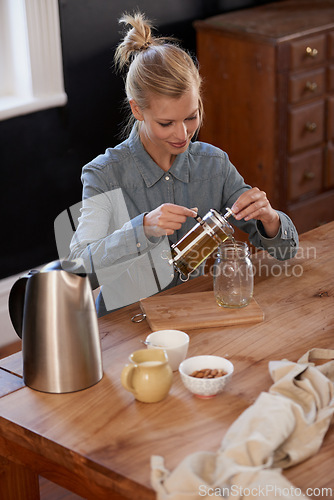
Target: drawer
{"type": "Point", "coordinates": [312, 213]}
{"type": "Point", "coordinates": [331, 45]}
{"type": "Point", "coordinates": [305, 174]}
{"type": "Point", "coordinates": [330, 78]}
{"type": "Point", "coordinates": [330, 118]}
{"type": "Point", "coordinates": [306, 126]}
{"type": "Point", "coordinates": [308, 52]}
{"type": "Point", "coordinates": [329, 167]}
{"type": "Point", "coordinates": [307, 85]}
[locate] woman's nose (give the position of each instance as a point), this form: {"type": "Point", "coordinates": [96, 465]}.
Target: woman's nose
{"type": "Point", "coordinates": [181, 132]}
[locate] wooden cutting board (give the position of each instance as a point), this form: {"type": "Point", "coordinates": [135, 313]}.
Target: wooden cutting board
{"type": "Point", "coordinates": [191, 311]}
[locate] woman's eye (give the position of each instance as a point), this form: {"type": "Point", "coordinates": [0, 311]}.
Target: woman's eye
{"type": "Point", "coordinates": [170, 123]}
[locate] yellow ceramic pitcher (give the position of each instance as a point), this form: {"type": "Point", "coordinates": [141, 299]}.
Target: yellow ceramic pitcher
{"type": "Point", "coordinates": [148, 375]}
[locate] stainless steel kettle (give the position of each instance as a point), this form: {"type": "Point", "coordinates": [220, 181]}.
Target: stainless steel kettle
{"type": "Point", "coordinates": [53, 311]}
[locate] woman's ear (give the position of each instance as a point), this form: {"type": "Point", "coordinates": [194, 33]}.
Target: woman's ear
{"type": "Point", "coordinates": [136, 110]}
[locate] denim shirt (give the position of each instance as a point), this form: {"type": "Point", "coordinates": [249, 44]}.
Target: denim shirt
{"type": "Point", "coordinates": [123, 184]}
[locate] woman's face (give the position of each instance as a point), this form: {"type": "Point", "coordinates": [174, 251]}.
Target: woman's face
{"type": "Point", "coordinates": [168, 124]}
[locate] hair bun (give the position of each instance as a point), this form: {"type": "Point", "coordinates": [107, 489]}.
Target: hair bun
{"type": "Point", "coordinates": [146, 45]}
{"type": "Point", "coordinates": [138, 38]}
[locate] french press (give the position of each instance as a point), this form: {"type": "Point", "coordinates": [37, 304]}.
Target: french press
{"type": "Point", "coordinates": [199, 243]}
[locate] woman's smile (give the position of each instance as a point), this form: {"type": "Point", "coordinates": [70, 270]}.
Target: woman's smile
{"type": "Point", "coordinates": [179, 145]}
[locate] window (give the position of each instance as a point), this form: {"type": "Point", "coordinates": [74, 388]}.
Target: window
{"type": "Point", "coordinates": [31, 69]}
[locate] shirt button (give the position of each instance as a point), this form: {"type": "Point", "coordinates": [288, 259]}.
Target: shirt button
{"type": "Point", "coordinates": [138, 245]}
{"type": "Point", "coordinates": [167, 177]}
{"type": "Point", "coordinates": [285, 232]}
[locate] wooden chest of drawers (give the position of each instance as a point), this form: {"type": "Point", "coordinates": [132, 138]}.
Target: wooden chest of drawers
{"type": "Point", "coordinates": [269, 101]}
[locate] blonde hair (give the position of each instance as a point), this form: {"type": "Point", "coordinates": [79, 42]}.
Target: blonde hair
{"type": "Point", "coordinates": [156, 65]}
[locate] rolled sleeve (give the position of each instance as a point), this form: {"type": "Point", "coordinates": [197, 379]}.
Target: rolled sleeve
{"type": "Point", "coordinates": [136, 239]}
{"type": "Point", "coordinates": [285, 244]}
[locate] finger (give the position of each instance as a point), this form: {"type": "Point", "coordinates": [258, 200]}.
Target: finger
{"type": "Point", "coordinates": [254, 208]}
{"type": "Point", "coordinates": [246, 198]}
{"type": "Point", "coordinates": [249, 202]}
{"type": "Point", "coordinates": [158, 231]}
{"type": "Point", "coordinates": [180, 210]}
{"type": "Point", "coordinates": [257, 214]}
{"type": "Point", "coordinates": [171, 221]}
{"type": "Point", "coordinates": [166, 232]}
{"type": "Point", "coordinates": [173, 225]}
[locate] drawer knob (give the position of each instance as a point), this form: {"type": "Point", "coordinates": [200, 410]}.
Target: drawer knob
{"type": "Point", "coordinates": [312, 86]}
{"type": "Point", "coordinates": [310, 126]}
{"type": "Point", "coordinates": [311, 52]}
{"type": "Point", "coordinates": [309, 176]}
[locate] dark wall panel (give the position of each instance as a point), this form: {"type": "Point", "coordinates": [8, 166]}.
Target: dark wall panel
{"type": "Point", "coordinates": [42, 154]}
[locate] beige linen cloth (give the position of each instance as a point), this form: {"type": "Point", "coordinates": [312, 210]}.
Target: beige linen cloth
{"type": "Point", "coordinates": [284, 426]}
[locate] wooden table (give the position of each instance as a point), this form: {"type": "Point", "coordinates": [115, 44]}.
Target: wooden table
{"type": "Point", "coordinates": [98, 442]}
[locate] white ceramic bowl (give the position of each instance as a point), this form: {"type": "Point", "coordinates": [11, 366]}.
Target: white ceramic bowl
{"type": "Point", "coordinates": [205, 387]}
{"type": "Point", "coordinates": [174, 342]}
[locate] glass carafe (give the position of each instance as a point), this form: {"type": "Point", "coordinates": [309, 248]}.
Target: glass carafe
{"type": "Point", "coordinates": [205, 237]}
{"type": "Point", "coordinates": [233, 275]}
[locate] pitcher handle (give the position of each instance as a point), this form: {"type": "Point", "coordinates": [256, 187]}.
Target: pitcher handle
{"type": "Point", "coordinates": [126, 377]}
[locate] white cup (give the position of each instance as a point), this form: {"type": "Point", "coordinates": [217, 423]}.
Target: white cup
{"type": "Point", "coordinates": [174, 342]}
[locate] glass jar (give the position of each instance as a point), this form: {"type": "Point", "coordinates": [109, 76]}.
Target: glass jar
{"type": "Point", "coordinates": [233, 275]}
{"type": "Point", "coordinates": [199, 243]}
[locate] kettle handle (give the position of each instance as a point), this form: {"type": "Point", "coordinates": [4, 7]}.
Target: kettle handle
{"type": "Point", "coordinates": [16, 301]}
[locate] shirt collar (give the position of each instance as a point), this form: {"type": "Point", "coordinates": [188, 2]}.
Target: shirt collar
{"type": "Point", "coordinates": [147, 167]}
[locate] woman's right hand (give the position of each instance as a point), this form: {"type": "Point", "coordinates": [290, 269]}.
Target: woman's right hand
{"type": "Point", "coordinates": [166, 219]}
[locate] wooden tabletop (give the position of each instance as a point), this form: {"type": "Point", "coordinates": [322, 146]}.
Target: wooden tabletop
{"type": "Point", "coordinates": [98, 442]}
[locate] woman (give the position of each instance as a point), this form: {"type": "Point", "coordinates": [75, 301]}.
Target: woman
{"type": "Point", "coordinates": [151, 186]}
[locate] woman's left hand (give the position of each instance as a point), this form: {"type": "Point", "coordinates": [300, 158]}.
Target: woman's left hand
{"type": "Point", "coordinates": [254, 204]}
